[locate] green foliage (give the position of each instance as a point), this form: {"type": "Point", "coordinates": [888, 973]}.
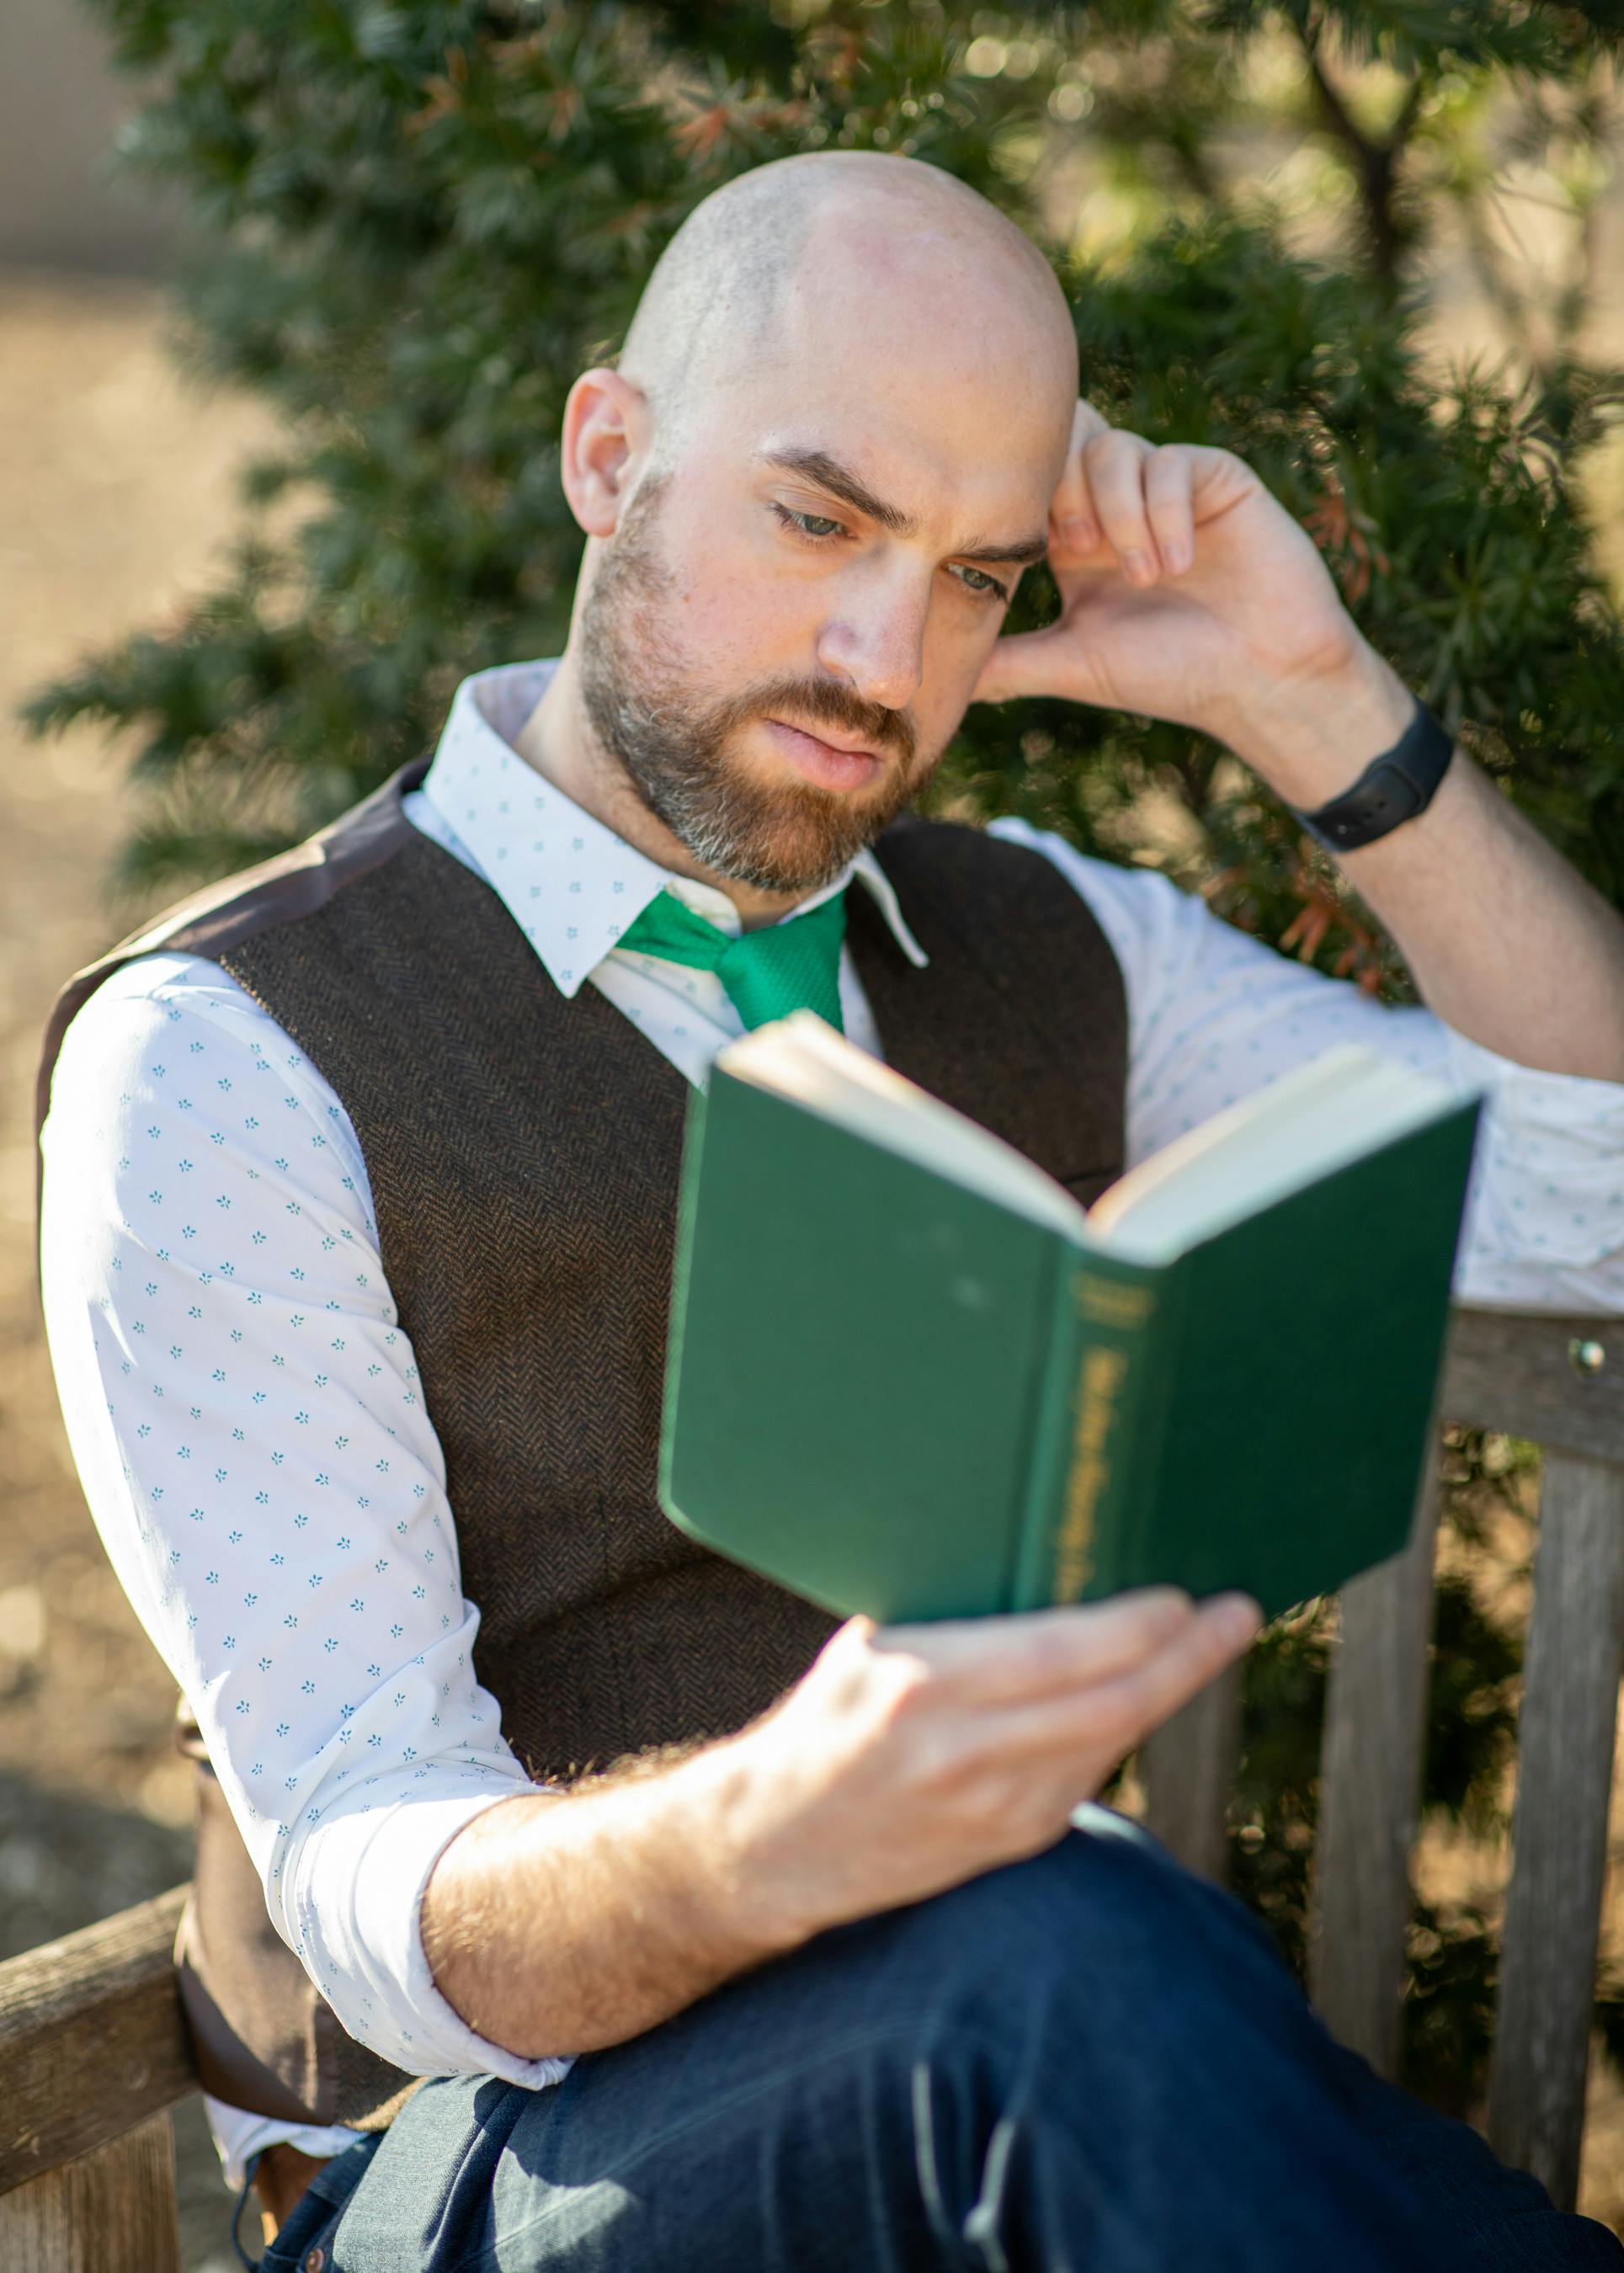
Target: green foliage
{"type": "Point", "coordinates": [417, 220]}
{"type": "Point", "coordinates": [425, 219]}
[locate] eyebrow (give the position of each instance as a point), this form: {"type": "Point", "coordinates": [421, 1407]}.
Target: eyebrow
{"type": "Point", "coordinates": [830, 476]}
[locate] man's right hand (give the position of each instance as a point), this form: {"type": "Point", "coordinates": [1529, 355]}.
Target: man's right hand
{"type": "Point", "coordinates": [908, 1759]}
{"type": "Point", "coordinates": [912, 1758]}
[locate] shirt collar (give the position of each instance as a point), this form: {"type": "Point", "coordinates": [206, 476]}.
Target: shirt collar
{"type": "Point", "coordinates": [571, 884]}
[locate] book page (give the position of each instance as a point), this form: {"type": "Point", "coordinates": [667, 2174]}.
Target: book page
{"type": "Point", "coordinates": [1342, 1104]}
{"type": "Point", "coordinates": [1332, 1111]}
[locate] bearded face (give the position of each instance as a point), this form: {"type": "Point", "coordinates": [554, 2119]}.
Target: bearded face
{"type": "Point", "coordinates": [685, 740]}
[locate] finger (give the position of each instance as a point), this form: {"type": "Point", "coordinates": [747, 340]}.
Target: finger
{"type": "Point", "coordinates": [1114, 465]}
{"type": "Point", "coordinates": [1169, 489]}
{"type": "Point", "coordinates": [1035, 1653]}
{"type": "Point", "coordinates": [1127, 1708]}
{"type": "Point", "coordinates": [1108, 1718]}
{"type": "Point", "coordinates": [1071, 514]}
{"type": "Point", "coordinates": [1066, 1744]}
{"type": "Point", "coordinates": [1025, 662]}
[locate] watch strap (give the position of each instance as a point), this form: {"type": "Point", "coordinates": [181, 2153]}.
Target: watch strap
{"type": "Point", "coordinates": [1393, 788]}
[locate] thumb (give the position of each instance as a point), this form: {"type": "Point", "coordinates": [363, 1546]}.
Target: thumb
{"type": "Point", "coordinates": [1025, 662]}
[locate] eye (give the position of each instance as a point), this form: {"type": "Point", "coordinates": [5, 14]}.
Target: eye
{"type": "Point", "coordinates": [817, 526]}
{"type": "Point", "coordinates": [977, 580]}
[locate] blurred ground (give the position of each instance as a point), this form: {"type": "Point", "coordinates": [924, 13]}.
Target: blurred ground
{"type": "Point", "coordinates": [117, 483]}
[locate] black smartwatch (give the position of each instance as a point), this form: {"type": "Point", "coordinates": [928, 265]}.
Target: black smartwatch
{"type": "Point", "coordinates": [1393, 788]}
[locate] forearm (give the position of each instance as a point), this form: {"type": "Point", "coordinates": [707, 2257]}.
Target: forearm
{"type": "Point", "coordinates": [905, 1762]}
{"type": "Point", "coordinates": [559, 1924]}
{"type": "Point", "coordinates": [1506, 941]}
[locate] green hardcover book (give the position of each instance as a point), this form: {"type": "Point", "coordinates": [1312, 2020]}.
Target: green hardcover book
{"type": "Point", "coordinates": [908, 1375]}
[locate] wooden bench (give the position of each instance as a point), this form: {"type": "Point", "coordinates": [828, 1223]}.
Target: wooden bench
{"type": "Point", "coordinates": [93, 2055]}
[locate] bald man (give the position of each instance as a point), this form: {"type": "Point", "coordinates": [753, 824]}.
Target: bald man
{"type": "Point", "coordinates": [730, 1941]}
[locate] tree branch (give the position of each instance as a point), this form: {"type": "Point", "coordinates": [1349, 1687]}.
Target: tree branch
{"type": "Point", "coordinates": [1375, 164]}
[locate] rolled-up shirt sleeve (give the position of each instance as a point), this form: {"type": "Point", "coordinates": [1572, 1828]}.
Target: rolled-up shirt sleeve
{"type": "Point", "coordinates": [248, 1423]}
{"type": "Point", "coordinates": [1214, 1015]}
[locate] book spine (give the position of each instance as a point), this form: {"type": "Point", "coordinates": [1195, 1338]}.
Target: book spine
{"type": "Point", "coordinates": [1090, 1464]}
{"type": "Point", "coordinates": [687, 1210]}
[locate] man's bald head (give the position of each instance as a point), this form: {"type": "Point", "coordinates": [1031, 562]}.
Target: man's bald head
{"type": "Point", "coordinates": [888, 247]}
{"type": "Point", "coordinates": [811, 486]}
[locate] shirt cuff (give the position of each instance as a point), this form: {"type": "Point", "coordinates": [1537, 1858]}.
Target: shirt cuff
{"type": "Point", "coordinates": [239, 2136]}
{"type": "Point", "coordinates": [357, 1886]}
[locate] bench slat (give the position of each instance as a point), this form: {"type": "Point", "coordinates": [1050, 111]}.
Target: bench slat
{"type": "Point", "coordinates": [1369, 1789]}
{"type": "Point", "coordinates": [1515, 1375]}
{"type": "Point", "coordinates": [1575, 1656]}
{"type": "Point", "coordinates": [112, 2211]}
{"type": "Point", "coordinates": [1189, 1768]}
{"type": "Point", "coordinates": [91, 2039]}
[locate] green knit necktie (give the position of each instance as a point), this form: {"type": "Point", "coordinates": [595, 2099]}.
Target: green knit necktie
{"type": "Point", "coordinates": [794, 965]}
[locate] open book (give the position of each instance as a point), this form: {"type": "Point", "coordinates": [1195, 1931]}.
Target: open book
{"type": "Point", "coordinates": [909, 1375]}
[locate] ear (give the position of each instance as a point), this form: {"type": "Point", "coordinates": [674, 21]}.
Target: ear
{"type": "Point", "coordinates": [605, 441]}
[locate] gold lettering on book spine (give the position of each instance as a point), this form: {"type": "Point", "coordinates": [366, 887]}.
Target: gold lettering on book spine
{"type": "Point", "coordinates": [1104, 1302]}
{"type": "Point", "coordinates": [1097, 1393]}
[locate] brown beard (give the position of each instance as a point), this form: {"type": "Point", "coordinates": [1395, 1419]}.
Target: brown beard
{"type": "Point", "coordinates": [673, 741]}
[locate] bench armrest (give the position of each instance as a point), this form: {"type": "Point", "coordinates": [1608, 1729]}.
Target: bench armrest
{"type": "Point", "coordinates": [92, 2040]}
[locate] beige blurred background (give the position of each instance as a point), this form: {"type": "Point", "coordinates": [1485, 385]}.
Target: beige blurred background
{"type": "Point", "coordinates": [117, 492]}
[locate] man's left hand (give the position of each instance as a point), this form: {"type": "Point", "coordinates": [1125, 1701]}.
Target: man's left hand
{"type": "Point", "coordinates": [1188, 593]}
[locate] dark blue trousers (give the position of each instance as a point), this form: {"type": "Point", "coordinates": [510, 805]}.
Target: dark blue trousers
{"type": "Point", "coordinates": [1088, 2063]}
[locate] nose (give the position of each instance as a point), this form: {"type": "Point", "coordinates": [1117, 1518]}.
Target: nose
{"type": "Point", "coordinates": [875, 639]}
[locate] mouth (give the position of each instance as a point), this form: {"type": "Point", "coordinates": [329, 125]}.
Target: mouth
{"type": "Point", "coordinates": [831, 765]}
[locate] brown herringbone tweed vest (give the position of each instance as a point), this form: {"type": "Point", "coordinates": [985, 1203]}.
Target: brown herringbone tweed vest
{"type": "Point", "coordinates": [524, 1153]}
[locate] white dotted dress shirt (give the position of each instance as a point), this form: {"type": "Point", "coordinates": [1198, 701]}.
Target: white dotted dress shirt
{"type": "Point", "coordinates": [245, 1411]}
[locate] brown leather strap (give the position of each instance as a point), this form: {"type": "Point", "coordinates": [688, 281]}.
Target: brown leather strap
{"type": "Point", "coordinates": [280, 2181]}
